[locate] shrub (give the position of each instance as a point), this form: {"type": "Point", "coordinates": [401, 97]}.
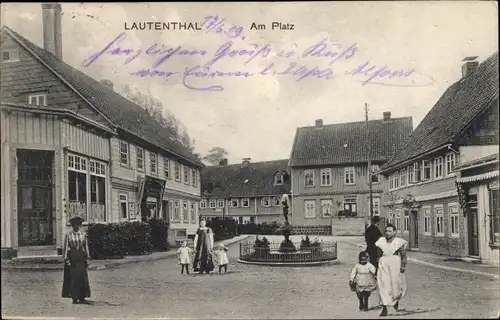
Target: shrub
{"type": "Point", "coordinates": [106, 241]}
{"type": "Point", "coordinates": [159, 234]}
{"type": "Point", "coordinates": [137, 237]}
{"type": "Point", "coordinates": [264, 228]}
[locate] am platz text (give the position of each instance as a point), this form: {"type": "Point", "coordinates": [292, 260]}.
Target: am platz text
{"type": "Point", "coordinates": [283, 26]}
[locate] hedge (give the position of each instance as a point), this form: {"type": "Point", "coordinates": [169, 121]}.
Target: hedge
{"type": "Point", "coordinates": [223, 228]}
{"type": "Point", "coordinates": [116, 240]}
{"type": "Point", "coordinates": [263, 228]}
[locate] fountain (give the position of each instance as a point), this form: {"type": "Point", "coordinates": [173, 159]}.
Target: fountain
{"type": "Point", "coordinates": [264, 252]}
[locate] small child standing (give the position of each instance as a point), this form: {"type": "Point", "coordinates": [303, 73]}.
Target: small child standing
{"type": "Point", "coordinates": [363, 280]}
{"type": "Point", "coordinates": [222, 259]}
{"type": "Point", "coordinates": [184, 257]}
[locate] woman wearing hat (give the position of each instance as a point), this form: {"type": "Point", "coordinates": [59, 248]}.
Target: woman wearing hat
{"type": "Point", "coordinates": [76, 256]}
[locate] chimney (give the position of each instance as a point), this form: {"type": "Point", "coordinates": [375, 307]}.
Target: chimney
{"type": "Point", "coordinates": [52, 37]}
{"type": "Point", "coordinates": [223, 162]}
{"type": "Point", "coordinates": [387, 116]}
{"type": "Point", "coordinates": [107, 83]}
{"type": "Point", "coordinates": [319, 122]}
{"type": "Point", "coordinates": [246, 162]}
{"type": "Point", "coordinates": [469, 66]}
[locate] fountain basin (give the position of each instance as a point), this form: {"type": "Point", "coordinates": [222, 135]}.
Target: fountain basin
{"type": "Point", "coordinates": [272, 254]}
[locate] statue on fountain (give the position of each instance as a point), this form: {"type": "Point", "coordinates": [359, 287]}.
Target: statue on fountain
{"type": "Point", "coordinates": [287, 245]}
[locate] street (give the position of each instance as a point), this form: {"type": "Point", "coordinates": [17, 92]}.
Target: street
{"type": "Point", "coordinates": [157, 289]}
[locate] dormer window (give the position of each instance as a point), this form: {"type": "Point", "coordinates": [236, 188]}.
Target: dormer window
{"type": "Point", "coordinates": [278, 179]}
{"type": "Point", "coordinates": [10, 55]}
{"type": "Point", "coordinates": [37, 99]}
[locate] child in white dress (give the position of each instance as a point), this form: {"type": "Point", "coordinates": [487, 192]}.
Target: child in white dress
{"type": "Point", "coordinates": [363, 280]}
{"type": "Point", "coordinates": [221, 256]}
{"type": "Point", "coordinates": [184, 255]}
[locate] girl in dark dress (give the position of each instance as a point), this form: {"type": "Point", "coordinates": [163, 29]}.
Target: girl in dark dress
{"type": "Point", "coordinates": [76, 255]}
{"type": "Point", "coordinates": [203, 242]}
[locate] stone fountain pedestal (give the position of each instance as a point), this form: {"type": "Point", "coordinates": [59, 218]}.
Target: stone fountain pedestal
{"type": "Point", "coordinates": [287, 245]}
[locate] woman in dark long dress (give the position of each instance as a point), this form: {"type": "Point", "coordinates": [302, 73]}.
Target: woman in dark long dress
{"type": "Point", "coordinates": [203, 242]}
{"type": "Point", "coordinates": [76, 255]}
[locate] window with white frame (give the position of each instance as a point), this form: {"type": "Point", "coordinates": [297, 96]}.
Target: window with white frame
{"type": "Point", "coordinates": [234, 203]}
{"type": "Point", "coordinates": [220, 203]}
{"type": "Point", "coordinates": [278, 179]}
{"type": "Point", "coordinates": [376, 206]}
{"type": "Point", "coordinates": [326, 207]}
{"type": "Point", "coordinates": [177, 211]}
{"type": "Point", "coordinates": [439, 219]}
{"type": "Point", "coordinates": [185, 170]}
{"type": "Point", "coordinates": [374, 175]}
{"type": "Point", "coordinates": [402, 177]}
{"type": "Point", "coordinates": [309, 178]}
{"type": "Point", "coordinates": [10, 55]}
{"type": "Point", "coordinates": [392, 185]}
{"type": "Point", "coordinates": [177, 171]}
{"type": "Point", "coordinates": [124, 153]}
{"type": "Point", "coordinates": [396, 179]}
{"type": "Point", "coordinates": [349, 176]}
{"type": "Point", "coordinates": [326, 177]}
{"type": "Point", "coordinates": [212, 203]}
{"type": "Point", "coordinates": [426, 170]}
{"type": "Point", "coordinates": [310, 208]}
{"type": "Point", "coordinates": [194, 178]}
{"type": "Point", "coordinates": [411, 174]}
{"type": "Point", "coordinates": [245, 203]}
{"type": "Point", "coordinates": [153, 163]}
{"type": "Point", "coordinates": [350, 204]}
{"type": "Point", "coordinates": [86, 188]}
{"type": "Point", "coordinates": [139, 153]}
{"type": "Point", "coordinates": [185, 211]}
{"type": "Point", "coordinates": [277, 201]}
{"type": "Point", "coordinates": [438, 168]}
{"type": "Point", "coordinates": [416, 173]}
{"type": "Point", "coordinates": [166, 168]}
{"type": "Point", "coordinates": [265, 202]}
{"type": "Point", "coordinates": [123, 206]}
{"type": "Point", "coordinates": [391, 217]}
{"type": "Point", "coordinates": [406, 221]}
{"type": "Point", "coordinates": [427, 220]}
{"type": "Point", "coordinates": [37, 99]}
{"type": "Point", "coordinates": [193, 211]}
{"type": "Point", "coordinates": [398, 220]}
{"type": "Point", "coordinates": [203, 203]}
{"type": "Point", "coordinates": [450, 162]}
{"type": "Point", "coordinates": [453, 213]}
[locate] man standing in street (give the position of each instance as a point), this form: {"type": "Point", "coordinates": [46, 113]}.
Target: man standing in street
{"type": "Point", "coordinates": [372, 234]}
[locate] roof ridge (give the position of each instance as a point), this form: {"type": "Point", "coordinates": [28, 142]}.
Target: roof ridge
{"type": "Point", "coordinates": [251, 163]}
{"type": "Point", "coordinates": [356, 122]}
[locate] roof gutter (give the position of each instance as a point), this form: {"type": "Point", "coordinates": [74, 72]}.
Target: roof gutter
{"type": "Point", "coordinates": [406, 162]}
{"type": "Point", "coordinates": [54, 111]}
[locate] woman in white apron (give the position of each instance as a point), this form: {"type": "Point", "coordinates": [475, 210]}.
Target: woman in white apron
{"type": "Point", "coordinates": [391, 278]}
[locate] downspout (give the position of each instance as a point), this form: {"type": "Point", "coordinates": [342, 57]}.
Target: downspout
{"type": "Point", "coordinates": [255, 209]}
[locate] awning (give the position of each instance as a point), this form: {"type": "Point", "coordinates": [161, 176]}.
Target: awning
{"type": "Point", "coordinates": [479, 177]}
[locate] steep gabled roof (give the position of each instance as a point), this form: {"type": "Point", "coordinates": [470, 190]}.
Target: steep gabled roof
{"type": "Point", "coordinates": [123, 113]}
{"type": "Point", "coordinates": [460, 104]}
{"type": "Point", "coordinates": [236, 181]}
{"type": "Point", "coordinates": [346, 143]}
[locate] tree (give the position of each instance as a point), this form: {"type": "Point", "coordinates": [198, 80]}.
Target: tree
{"type": "Point", "coordinates": [215, 155]}
{"type": "Point", "coordinates": [160, 114]}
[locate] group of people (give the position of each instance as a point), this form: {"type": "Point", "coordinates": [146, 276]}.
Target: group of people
{"type": "Point", "coordinates": [76, 256]}
{"type": "Point", "coordinates": [381, 266]}
{"type": "Point", "coordinates": [204, 248]}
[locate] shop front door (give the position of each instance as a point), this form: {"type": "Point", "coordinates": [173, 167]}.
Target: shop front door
{"type": "Point", "coordinates": [473, 232]}
{"type": "Point", "coordinates": [34, 193]}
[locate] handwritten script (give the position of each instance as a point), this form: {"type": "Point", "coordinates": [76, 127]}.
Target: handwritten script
{"type": "Point", "coordinates": [322, 61]}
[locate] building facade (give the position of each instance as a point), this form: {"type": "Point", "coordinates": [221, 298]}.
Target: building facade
{"type": "Point", "coordinates": [247, 192]}
{"type": "Point", "coordinates": [423, 201]}
{"type": "Point", "coordinates": [329, 168]}
{"type": "Point", "coordinates": [73, 146]}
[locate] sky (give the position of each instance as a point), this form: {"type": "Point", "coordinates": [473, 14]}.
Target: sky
{"type": "Point", "coordinates": [256, 116]}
